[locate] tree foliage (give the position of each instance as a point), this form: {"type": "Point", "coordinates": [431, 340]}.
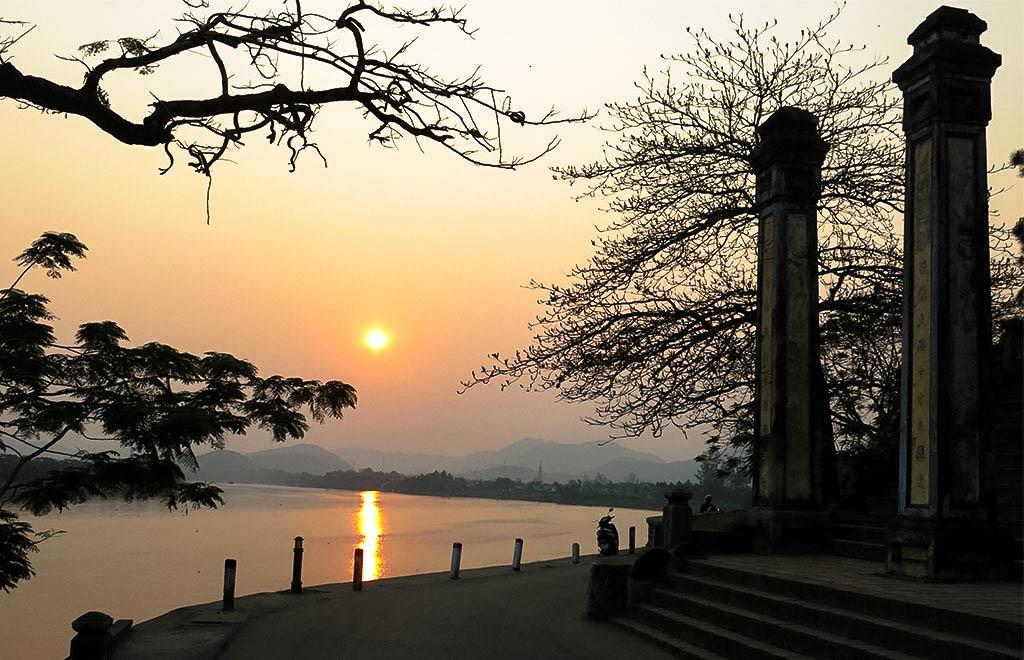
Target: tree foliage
{"type": "Point", "coordinates": [157, 402]}
{"type": "Point", "coordinates": [276, 69]}
{"type": "Point", "coordinates": [658, 327]}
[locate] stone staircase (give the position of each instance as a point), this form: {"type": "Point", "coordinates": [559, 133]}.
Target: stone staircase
{"type": "Point", "coordinates": [711, 611]}
{"type": "Point", "coordinates": [863, 533]}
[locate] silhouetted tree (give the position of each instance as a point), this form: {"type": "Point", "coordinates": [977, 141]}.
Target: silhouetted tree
{"type": "Point", "coordinates": [157, 402]}
{"type": "Point", "coordinates": [708, 473]}
{"type": "Point", "coordinates": [657, 329]}
{"type": "Point", "coordinates": [277, 68]}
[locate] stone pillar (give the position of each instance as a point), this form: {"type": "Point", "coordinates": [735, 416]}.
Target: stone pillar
{"type": "Point", "coordinates": [794, 458]}
{"type": "Point", "coordinates": [677, 518]}
{"type": "Point", "coordinates": [946, 488]}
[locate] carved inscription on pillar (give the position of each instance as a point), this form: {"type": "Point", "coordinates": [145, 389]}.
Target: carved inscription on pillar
{"type": "Point", "coordinates": [920, 447]}
{"type": "Point", "coordinates": [963, 286]}
{"type": "Point", "coordinates": [767, 366]}
{"type": "Point", "coordinates": [798, 357]}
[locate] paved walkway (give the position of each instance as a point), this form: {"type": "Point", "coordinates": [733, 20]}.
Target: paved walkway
{"type": "Point", "coordinates": [489, 613]}
{"type": "Point", "coordinates": [998, 600]}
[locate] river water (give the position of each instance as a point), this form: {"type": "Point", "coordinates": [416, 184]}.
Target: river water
{"type": "Point", "coordinates": [137, 560]}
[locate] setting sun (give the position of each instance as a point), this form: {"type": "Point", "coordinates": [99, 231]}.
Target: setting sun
{"type": "Point", "coordinates": [377, 339]}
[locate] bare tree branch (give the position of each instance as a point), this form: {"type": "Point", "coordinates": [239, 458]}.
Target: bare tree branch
{"type": "Point", "coordinates": [657, 329]}
{"type": "Point", "coordinates": [403, 99]}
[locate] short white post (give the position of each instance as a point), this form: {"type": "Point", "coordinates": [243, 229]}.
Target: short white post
{"type": "Point", "coordinates": [357, 570]}
{"type": "Point", "coordinates": [456, 560]}
{"type": "Point", "coordinates": [575, 553]}
{"type": "Point", "coordinates": [632, 539]}
{"type": "Point", "coordinates": [230, 565]}
{"type": "Point", "coordinates": [517, 555]}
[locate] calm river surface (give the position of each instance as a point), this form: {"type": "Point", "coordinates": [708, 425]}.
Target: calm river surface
{"type": "Point", "coordinates": [137, 560]}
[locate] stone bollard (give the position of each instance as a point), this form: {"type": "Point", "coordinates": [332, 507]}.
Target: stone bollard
{"type": "Point", "coordinates": [575, 553]}
{"type": "Point", "coordinates": [230, 566]}
{"type": "Point", "coordinates": [632, 540]}
{"type": "Point", "coordinates": [456, 560]}
{"type": "Point", "coordinates": [297, 566]}
{"type": "Point", "coordinates": [655, 532]}
{"type": "Point", "coordinates": [677, 518]}
{"type": "Point", "coordinates": [607, 590]}
{"type": "Point", "coordinates": [357, 570]}
{"type": "Point", "coordinates": [517, 555]}
{"type": "Point", "coordinates": [92, 638]}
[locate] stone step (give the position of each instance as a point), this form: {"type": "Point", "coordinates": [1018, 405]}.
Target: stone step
{"type": "Point", "coordinates": [709, 636]}
{"type": "Point", "coordinates": [1010, 477]}
{"type": "Point", "coordinates": [668, 642]}
{"type": "Point", "coordinates": [972, 626]}
{"type": "Point", "coordinates": [1010, 513]}
{"type": "Point", "coordinates": [859, 550]}
{"type": "Point", "coordinates": [867, 533]}
{"type": "Point", "coordinates": [906, 638]}
{"type": "Point", "coordinates": [814, 642]}
{"type": "Point", "coordinates": [863, 518]}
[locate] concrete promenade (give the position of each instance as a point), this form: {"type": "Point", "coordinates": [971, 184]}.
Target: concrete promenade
{"type": "Point", "coordinates": [488, 613]}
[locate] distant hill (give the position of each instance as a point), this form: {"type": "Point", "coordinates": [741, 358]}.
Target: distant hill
{"type": "Point", "coordinates": [516, 473]}
{"type": "Point", "coordinates": [578, 458]}
{"type": "Point", "coordinates": [302, 457]}
{"type": "Point", "coordinates": [388, 461]}
{"type": "Point", "coordinates": [619, 469]}
{"type": "Point", "coordinates": [227, 465]}
{"type": "Point", "coordinates": [519, 460]}
{"type": "Point", "coordinates": [226, 461]}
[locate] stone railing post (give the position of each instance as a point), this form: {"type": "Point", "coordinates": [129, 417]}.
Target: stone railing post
{"type": "Point", "coordinates": [677, 518]}
{"type": "Point", "coordinates": [794, 458]}
{"type": "Point", "coordinates": [92, 638]}
{"type": "Point", "coordinates": [946, 467]}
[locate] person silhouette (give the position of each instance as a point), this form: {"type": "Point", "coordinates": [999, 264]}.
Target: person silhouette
{"type": "Point", "coordinates": [708, 506]}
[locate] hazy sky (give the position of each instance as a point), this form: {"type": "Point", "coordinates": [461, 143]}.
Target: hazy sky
{"type": "Point", "coordinates": [295, 268]}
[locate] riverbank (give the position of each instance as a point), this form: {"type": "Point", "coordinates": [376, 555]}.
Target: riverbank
{"type": "Point", "coordinates": [598, 492]}
{"type": "Point", "coordinates": [138, 561]}
{"type": "Point", "coordinates": [489, 612]}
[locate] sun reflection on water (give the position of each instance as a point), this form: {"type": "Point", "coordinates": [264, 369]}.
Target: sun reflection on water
{"type": "Point", "coordinates": [370, 526]}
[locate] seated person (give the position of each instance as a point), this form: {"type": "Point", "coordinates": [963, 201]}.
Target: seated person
{"type": "Point", "coordinates": [708, 506]}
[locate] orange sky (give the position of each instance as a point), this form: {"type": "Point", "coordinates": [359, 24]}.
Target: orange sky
{"type": "Point", "coordinates": [295, 268]}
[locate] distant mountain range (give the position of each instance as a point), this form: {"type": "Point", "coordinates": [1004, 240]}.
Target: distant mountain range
{"type": "Point", "coordinates": [227, 465]}
{"type": "Point", "coordinates": [519, 460]}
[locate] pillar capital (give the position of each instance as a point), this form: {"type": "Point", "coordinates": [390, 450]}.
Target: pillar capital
{"type": "Point", "coordinates": [788, 157]}
{"type": "Point", "coordinates": [948, 76]}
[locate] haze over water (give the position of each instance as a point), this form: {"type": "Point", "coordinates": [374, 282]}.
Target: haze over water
{"type": "Point", "coordinates": [138, 561]}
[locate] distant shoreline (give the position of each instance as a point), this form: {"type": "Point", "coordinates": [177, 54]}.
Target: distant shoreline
{"type": "Point", "coordinates": [639, 496]}
{"type": "Point", "coordinates": [652, 510]}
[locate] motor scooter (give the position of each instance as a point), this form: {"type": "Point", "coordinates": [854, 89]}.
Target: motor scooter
{"type": "Point", "coordinates": [607, 536]}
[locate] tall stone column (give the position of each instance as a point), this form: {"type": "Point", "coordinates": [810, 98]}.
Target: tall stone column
{"type": "Point", "coordinates": [946, 487]}
{"type": "Point", "coordinates": [793, 453]}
